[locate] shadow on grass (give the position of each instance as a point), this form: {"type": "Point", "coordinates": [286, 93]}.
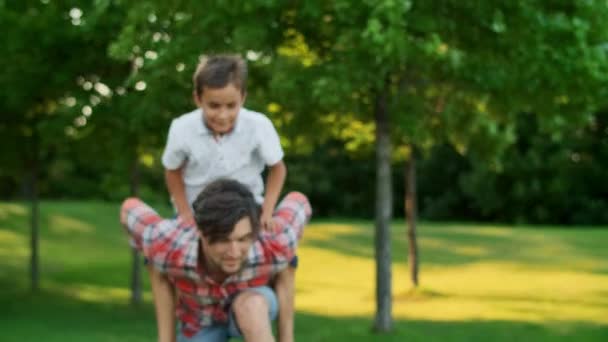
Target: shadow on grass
{"type": "Point", "coordinates": [52, 317]}
{"type": "Point", "coordinates": [315, 328]}
{"type": "Point", "coordinates": [80, 242]}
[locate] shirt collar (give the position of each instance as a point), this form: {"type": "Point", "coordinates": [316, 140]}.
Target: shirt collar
{"type": "Point", "coordinates": [204, 130]}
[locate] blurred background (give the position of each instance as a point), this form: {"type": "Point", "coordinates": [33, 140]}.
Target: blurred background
{"type": "Point", "coordinates": [455, 153]}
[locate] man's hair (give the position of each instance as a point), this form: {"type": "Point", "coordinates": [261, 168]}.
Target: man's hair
{"type": "Point", "coordinates": [218, 71]}
{"type": "Point", "coordinates": [221, 205]}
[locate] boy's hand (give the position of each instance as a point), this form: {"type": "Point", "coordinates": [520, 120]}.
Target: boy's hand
{"type": "Point", "coordinates": [187, 217]}
{"type": "Point", "coordinates": [266, 221]}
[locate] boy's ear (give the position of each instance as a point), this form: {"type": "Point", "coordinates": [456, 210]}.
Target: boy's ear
{"type": "Point", "coordinates": [196, 98]}
{"type": "Point", "coordinates": [244, 97]}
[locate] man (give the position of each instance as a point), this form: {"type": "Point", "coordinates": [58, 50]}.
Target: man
{"type": "Point", "coordinates": [219, 268]}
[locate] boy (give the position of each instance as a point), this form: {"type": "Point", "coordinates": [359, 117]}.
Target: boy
{"type": "Point", "coordinates": [221, 264]}
{"type": "Point", "coordinates": [221, 139]}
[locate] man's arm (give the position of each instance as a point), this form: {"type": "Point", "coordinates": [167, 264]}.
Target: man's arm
{"type": "Point", "coordinates": [164, 304]}
{"type": "Point", "coordinates": [137, 217]}
{"type": "Point", "coordinates": [274, 184]}
{"type": "Point", "coordinates": [292, 214]}
{"type": "Point", "coordinates": [285, 289]}
{"type": "Point", "coordinates": [177, 189]}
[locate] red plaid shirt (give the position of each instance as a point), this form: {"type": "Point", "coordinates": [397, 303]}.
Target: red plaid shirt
{"type": "Point", "coordinates": [172, 246]}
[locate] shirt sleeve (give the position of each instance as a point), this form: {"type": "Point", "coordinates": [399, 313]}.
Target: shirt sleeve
{"type": "Point", "coordinates": [139, 220]}
{"type": "Point", "coordinates": [270, 143]}
{"type": "Point", "coordinates": [164, 242]}
{"type": "Point", "coordinates": [291, 216]}
{"type": "Point", "coordinates": [174, 153]}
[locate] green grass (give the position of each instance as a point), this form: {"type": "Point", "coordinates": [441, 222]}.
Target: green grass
{"type": "Point", "coordinates": [479, 282]}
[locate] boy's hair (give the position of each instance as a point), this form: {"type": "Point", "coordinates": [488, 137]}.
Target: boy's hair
{"type": "Point", "coordinates": [221, 205]}
{"type": "Point", "coordinates": [217, 71]}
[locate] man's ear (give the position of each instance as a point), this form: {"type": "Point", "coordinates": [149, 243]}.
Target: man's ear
{"type": "Point", "coordinates": [204, 240]}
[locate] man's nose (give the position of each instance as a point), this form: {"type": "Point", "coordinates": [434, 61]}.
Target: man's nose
{"type": "Point", "coordinates": [233, 249]}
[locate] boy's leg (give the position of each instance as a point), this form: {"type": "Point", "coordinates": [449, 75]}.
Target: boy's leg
{"type": "Point", "coordinates": [251, 314]}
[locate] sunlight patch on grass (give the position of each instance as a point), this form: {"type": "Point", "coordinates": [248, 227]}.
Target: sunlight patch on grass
{"type": "Point", "coordinates": [485, 230]}
{"type": "Point", "coordinates": [328, 231]}
{"type": "Point", "coordinates": [10, 209]}
{"type": "Point", "coordinates": [12, 245]}
{"type": "Point", "coordinates": [333, 283]}
{"type": "Point", "coordinates": [496, 291]}
{"type": "Point", "coordinates": [465, 250]}
{"type": "Point", "coordinates": [61, 224]}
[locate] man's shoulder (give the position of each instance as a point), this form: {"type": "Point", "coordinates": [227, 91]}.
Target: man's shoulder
{"type": "Point", "coordinates": [174, 245]}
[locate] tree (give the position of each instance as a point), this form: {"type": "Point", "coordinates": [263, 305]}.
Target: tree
{"type": "Point", "coordinates": [447, 71]}
{"type": "Point", "coordinates": [42, 79]}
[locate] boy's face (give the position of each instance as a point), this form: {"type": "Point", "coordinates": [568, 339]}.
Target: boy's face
{"type": "Point", "coordinates": [228, 255]}
{"type": "Point", "coordinates": [220, 106]}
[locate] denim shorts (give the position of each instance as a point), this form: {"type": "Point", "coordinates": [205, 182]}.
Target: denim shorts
{"type": "Point", "coordinates": [223, 332]}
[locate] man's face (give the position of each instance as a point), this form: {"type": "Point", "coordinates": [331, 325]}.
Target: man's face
{"type": "Point", "coordinates": [220, 106]}
{"type": "Point", "coordinates": [228, 255]}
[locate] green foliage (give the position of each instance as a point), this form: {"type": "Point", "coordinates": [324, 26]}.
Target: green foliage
{"type": "Point", "coordinates": [544, 180]}
{"type": "Point", "coordinates": [94, 85]}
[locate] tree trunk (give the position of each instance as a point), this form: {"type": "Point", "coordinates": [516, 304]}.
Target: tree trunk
{"type": "Point", "coordinates": [136, 282]}
{"type": "Point", "coordinates": [34, 220]}
{"type": "Point", "coordinates": [410, 214]}
{"type": "Point", "coordinates": [383, 322]}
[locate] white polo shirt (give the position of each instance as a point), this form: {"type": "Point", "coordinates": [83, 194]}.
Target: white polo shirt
{"type": "Point", "coordinates": [241, 154]}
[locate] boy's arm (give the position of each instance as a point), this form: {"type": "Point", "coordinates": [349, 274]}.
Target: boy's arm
{"type": "Point", "coordinates": [274, 184]}
{"type": "Point", "coordinates": [177, 189]}
{"type": "Point", "coordinates": [175, 156]}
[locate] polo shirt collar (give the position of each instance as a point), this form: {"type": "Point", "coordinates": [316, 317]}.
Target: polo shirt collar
{"type": "Point", "coordinates": [204, 130]}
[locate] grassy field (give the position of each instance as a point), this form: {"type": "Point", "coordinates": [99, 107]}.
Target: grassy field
{"type": "Point", "coordinates": [479, 282]}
